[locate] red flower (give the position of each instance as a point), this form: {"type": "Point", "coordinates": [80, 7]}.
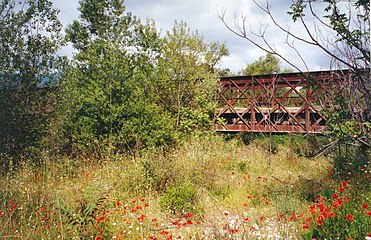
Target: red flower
{"type": "Point", "coordinates": [262, 218]}
{"type": "Point", "coordinates": [188, 215]}
{"type": "Point", "coordinates": [350, 217]}
{"type": "Point", "coordinates": [280, 215]}
{"type": "Point", "coordinates": [319, 221]}
{"type": "Point", "coordinates": [343, 184]}
{"type": "Point", "coordinates": [98, 238]}
{"type": "Point", "coordinates": [335, 196]}
{"type": "Point", "coordinates": [245, 204]}
{"type": "Point", "coordinates": [341, 189]}
{"type": "Point", "coordinates": [163, 232]}
{"type": "Point", "coordinates": [368, 213]}
{"type": "Point", "coordinates": [2, 214]}
{"type": "Point", "coordinates": [364, 206]}
{"type": "Point", "coordinates": [267, 203]}
{"type": "Point", "coordinates": [331, 214]}
{"type": "Point", "coordinates": [305, 226]}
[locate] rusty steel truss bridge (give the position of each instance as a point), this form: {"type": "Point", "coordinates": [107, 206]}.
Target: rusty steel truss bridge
{"type": "Point", "coordinates": [279, 103]}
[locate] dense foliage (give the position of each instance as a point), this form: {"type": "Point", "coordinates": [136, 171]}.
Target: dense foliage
{"type": "Point", "coordinates": [29, 40]}
{"type": "Point", "coordinates": [128, 87]}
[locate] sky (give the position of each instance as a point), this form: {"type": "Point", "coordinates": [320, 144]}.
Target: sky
{"type": "Point", "coordinates": [203, 16]}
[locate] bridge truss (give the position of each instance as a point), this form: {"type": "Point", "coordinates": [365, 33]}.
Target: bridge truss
{"type": "Point", "coordinates": [290, 102]}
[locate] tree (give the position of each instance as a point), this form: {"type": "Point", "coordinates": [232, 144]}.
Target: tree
{"type": "Point", "coordinates": [342, 31]}
{"type": "Point", "coordinates": [187, 77]}
{"type": "Point", "coordinates": [29, 40]}
{"type": "Point", "coordinates": [269, 64]}
{"type": "Point", "coordinates": [108, 97]}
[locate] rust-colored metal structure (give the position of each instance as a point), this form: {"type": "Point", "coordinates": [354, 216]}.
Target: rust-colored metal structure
{"type": "Point", "coordinates": [279, 103]}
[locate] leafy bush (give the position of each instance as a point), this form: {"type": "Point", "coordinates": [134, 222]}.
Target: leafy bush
{"type": "Point", "coordinates": [181, 199]}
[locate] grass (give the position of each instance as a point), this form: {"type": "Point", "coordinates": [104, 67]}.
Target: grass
{"type": "Point", "coordinates": [206, 188]}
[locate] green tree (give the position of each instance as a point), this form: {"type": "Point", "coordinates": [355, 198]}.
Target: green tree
{"type": "Point", "coordinates": [264, 65]}
{"type": "Point", "coordinates": [29, 40]}
{"type": "Point", "coordinates": [188, 77]}
{"type": "Point", "coordinates": [107, 95]}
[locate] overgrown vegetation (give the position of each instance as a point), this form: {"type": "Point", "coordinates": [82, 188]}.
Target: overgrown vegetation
{"type": "Point", "coordinates": [115, 142]}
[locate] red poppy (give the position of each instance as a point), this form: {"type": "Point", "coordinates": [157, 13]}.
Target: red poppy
{"type": "Point", "coordinates": [280, 215]}
{"type": "Point", "coordinates": [2, 214]}
{"type": "Point", "coordinates": [305, 226]}
{"type": "Point", "coordinates": [343, 184]}
{"type": "Point", "coordinates": [98, 238]}
{"type": "Point", "coordinates": [364, 206]}
{"type": "Point", "coordinates": [331, 214]}
{"type": "Point", "coordinates": [368, 213]}
{"type": "Point", "coordinates": [163, 232]}
{"type": "Point", "coordinates": [341, 189]}
{"type": "Point", "coordinates": [188, 215]}
{"type": "Point", "coordinates": [319, 221]}
{"type": "Point", "coordinates": [335, 196]}
{"type": "Point", "coordinates": [262, 218]}
{"type": "Point", "coordinates": [350, 217]}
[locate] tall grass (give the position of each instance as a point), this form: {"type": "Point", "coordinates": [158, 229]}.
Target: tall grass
{"type": "Point", "coordinates": [206, 188]}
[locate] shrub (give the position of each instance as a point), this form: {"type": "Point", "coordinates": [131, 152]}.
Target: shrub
{"type": "Point", "coordinates": [181, 199]}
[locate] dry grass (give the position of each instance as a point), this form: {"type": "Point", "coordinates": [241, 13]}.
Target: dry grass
{"type": "Point", "coordinates": [238, 187]}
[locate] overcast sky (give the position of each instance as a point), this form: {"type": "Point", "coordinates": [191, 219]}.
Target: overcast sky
{"type": "Point", "coordinates": [203, 16]}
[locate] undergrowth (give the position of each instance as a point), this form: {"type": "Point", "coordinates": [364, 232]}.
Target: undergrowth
{"type": "Point", "coordinates": [206, 188]}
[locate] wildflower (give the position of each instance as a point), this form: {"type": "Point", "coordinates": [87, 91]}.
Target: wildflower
{"type": "Point", "coordinates": [188, 215]}
{"type": "Point", "coordinates": [98, 238]}
{"type": "Point", "coordinates": [305, 226]}
{"type": "Point", "coordinates": [189, 221]}
{"type": "Point", "coordinates": [319, 221]}
{"type": "Point", "coordinates": [245, 204]}
{"type": "Point", "coordinates": [343, 184]}
{"type": "Point", "coordinates": [307, 220]}
{"type": "Point", "coordinates": [142, 199]}
{"type": "Point", "coordinates": [331, 214]}
{"type": "Point", "coordinates": [11, 209]}
{"type": "Point", "coordinates": [364, 206]}
{"type": "Point", "coordinates": [267, 203]}
{"type": "Point", "coordinates": [262, 218]}
{"type": "Point", "coordinates": [249, 197]}
{"type": "Point", "coordinates": [232, 231]}
{"type": "Point", "coordinates": [226, 213]}
{"type": "Point", "coordinates": [280, 215]}
{"type": "Point", "coordinates": [350, 217]}
{"type": "Point", "coordinates": [300, 215]}
{"type": "Point", "coordinates": [335, 196]}
{"type": "Point", "coordinates": [2, 214]}
{"type": "Point", "coordinates": [368, 213]}
{"type": "Point", "coordinates": [341, 189]}
{"type": "Point", "coordinates": [163, 232]}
